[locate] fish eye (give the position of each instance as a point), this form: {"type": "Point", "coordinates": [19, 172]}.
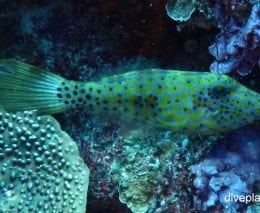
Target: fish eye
{"type": "Point", "coordinates": [220, 90]}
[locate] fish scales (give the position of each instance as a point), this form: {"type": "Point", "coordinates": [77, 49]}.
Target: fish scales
{"type": "Point", "coordinates": [182, 101]}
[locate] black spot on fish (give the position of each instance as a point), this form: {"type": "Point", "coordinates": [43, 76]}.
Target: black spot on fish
{"type": "Point", "coordinates": [59, 95]}
{"type": "Point", "coordinates": [99, 91]}
{"type": "Point", "coordinates": [68, 95]}
{"type": "Point", "coordinates": [90, 89]}
{"type": "Point", "coordinates": [80, 100]}
{"type": "Point", "coordinates": [75, 92]}
{"type": "Point", "coordinates": [66, 102]}
{"type": "Point", "coordinates": [88, 96]}
{"type": "Point", "coordinates": [66, 88]}
{"type": "Point", "coordinates": [59, 89]}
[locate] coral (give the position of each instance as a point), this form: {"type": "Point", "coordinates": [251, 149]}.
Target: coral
{"type": "Point", "coordinates": [40, 167]}
{"type": "Point", "coordinates": [180, 10]}
{"type": "Point", "coordinates": [255, 208]}
{"type": "Point", "coordinates": [151, 168]}
{"type": "Point", "coordinates": [139, 174]}
{"type": "Point", "coordinates": [229, 170]}
{"type": "Point", "coordinates": [85, 39]}
{"type": "Point", "coordinates": [237, 47]}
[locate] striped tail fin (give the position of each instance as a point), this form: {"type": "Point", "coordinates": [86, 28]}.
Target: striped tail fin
{"type": "Point", "coordinates": [25, 87]}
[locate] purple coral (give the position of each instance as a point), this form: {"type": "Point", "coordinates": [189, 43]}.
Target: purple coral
{"type": "Point", "coordinates": [230, 171]}
{"type": "Point", "coordinates": [237, 47]}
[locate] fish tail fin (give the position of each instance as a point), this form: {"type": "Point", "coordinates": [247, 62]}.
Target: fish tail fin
{"type": "Point", "coordinates": [25, 87]}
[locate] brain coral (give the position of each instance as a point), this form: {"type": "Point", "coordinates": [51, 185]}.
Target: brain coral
{"type": "Point", "coordinates": [40, 167]}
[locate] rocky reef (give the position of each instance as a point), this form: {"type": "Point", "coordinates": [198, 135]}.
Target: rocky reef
{"type": "Point", "coordinates": [133, 169]}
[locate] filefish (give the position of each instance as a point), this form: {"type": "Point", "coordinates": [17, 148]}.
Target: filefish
{"type": "Point", "coordinates": [182, 101]}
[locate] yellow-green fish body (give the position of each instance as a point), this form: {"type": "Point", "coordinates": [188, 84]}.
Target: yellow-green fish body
{"type": "Point", "coordinates": [182, 101]}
